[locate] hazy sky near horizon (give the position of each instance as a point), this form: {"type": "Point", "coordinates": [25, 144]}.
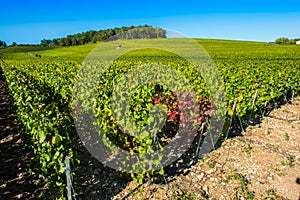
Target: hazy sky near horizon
{"type": "Point", "coordinates": [30, 21]}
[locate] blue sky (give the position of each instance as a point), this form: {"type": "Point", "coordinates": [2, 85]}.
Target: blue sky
{"type": "Point", "coordinates": [29, 21]}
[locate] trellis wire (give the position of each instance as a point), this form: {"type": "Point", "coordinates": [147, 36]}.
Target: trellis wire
{"type": "Point", "coordinates": [199, 141]}
{"type": "Point", "coordinates": [231, 118]}
{"type": "Point", "coordinates": [155, 147]}
{"type": "Point", "coordinates": [240, 120]}
{"type": "Point", "coordinates": [253, 102]}
{"type": "Point", "coordinates": [265, 108]}
{"type": "Point", "coordinates": [235, 112]}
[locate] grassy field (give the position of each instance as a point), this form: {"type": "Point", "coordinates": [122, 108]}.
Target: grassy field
{"type": "Point", "coordinates": [217, 49]}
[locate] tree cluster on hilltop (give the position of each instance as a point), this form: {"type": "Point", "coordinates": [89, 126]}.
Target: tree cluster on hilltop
{"type": "Point", "coordinates": [132, 32]}
{"type": "Point", "coordinates": [284, 40]}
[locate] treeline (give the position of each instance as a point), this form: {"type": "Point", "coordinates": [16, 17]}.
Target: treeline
{"type": "Point", "coordinates": [14, 44]}
{"type": "Point", "coordinates": [132, 32]}
{"type": "Point", "coordinates": [284, 40]}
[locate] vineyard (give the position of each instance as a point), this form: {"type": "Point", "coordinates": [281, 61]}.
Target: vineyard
{"type": "Point", "coordinates": [257, 78]}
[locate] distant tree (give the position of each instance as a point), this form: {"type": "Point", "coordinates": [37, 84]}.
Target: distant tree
{"type": "Point", "coordinates": [282, 40]}
{"type": "Point", "coordinates": [292, 41]}
{"type": "Point", "coordinates": [62, 42]}
{"type": "Point", "coordinates": [45, 42]}
{"type": "Point", "coordinates": [74, 41]}
{"type": "Point", "coordinates": [2, 43]}
{"type": "Point", "coordinates": [14, 44]}
{"type": "Point", "coordinates": [68, 40]}
{"type": "Point", "coordinates": [296, 39]}
{"type": "Point", "coordinates": [161, 33]}
{"type": "Point", "coordinates": [91, 36]}
{"type": "Point", "coordinates": [55, 42]}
